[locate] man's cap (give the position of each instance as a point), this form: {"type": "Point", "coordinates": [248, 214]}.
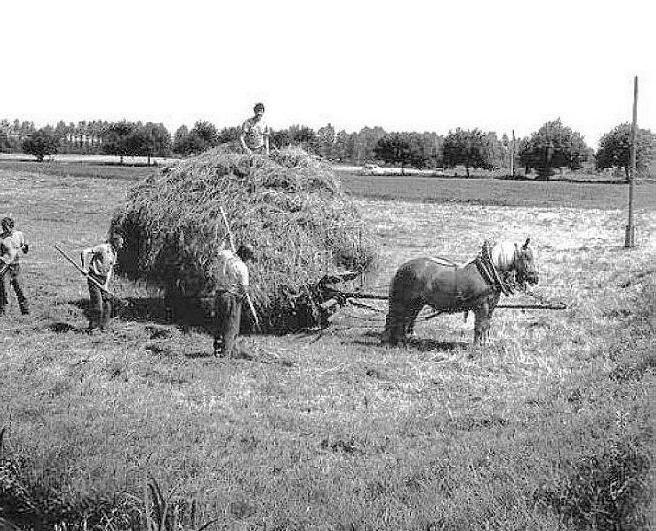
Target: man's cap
{"type": "Point", "coordinates": [258, 106]}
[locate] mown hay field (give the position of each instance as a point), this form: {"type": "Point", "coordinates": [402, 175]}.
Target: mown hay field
{"type": "Point", "coordinates": [549, 427]}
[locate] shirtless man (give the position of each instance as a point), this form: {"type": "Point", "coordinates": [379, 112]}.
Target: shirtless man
{"type": "Point", "coordinates": [255, 133]}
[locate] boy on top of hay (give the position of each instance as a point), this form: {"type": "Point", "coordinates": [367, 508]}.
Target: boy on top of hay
{"type": "Point", "coordinates": [232, 288]}
{"type": "Point", "coordinates": [98, 263]}
{"type": "Point", "coordinates": [255, 133]}
{"type": "Point", "coordinates": [11, 242]}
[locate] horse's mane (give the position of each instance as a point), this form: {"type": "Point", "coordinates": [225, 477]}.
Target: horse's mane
{"type": "Point", "coordinates": [502, 255]}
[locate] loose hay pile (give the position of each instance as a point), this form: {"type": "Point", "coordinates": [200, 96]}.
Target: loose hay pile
{"type": "Point", "coordinates": [288, 207]}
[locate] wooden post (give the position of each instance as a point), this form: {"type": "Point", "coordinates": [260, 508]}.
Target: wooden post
{"type": "Point", "coordinates": [629, 235]}
{"type": "Point", "coordinates": [512, 155]}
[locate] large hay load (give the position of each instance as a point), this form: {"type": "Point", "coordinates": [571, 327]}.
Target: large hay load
{"type": "Point", "coordinates": [288, 207]}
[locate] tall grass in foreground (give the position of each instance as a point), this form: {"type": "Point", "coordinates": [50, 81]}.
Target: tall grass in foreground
{"type": "Point", "coordinates": [578, 455]}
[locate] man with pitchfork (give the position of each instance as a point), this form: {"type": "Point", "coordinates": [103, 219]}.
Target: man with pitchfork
{"type": "Point", "coordinates": [232, 288]}
{"type": "Point", "coordinates": [98, 264]}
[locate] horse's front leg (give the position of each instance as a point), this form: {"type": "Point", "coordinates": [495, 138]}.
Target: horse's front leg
{"type": "Point", "coordinates": [482, 324]}
{"type": "Point", "coordinates": [483, 317]}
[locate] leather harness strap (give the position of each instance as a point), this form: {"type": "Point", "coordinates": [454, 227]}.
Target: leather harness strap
{"type": "Point", "coordinates": [489, 272]}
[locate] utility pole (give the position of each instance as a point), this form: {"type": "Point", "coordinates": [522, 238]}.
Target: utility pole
{"type": "Point", "coordinates": [629, 235]}
{"type": "Point", "coordinates": [512, 155]}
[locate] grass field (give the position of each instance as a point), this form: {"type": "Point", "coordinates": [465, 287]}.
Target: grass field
{"type": "Point", "coordinates": [549, 427]}
{"type": "Point", "coordinates": [564, 193]}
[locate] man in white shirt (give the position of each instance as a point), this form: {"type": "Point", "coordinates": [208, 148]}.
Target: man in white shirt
{"type": "Point", "coordinates": [12, 242]}
{"type": "Point", "coordinates": [232, 283]}
{"type": "Point", "coordinates": [254, 137]}
{"type": "Point", "coordinates": [98, 263]}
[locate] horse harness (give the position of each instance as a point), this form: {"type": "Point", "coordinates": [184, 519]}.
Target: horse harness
{"type": "Point", "coordinates": [490, 274]}
{"type": "Point", "coordinates": [499, 282]}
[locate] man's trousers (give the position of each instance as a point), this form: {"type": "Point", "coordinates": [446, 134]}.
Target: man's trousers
{"type": "Point", "coordinates": [13, 274]}
{"type": "Point", "coordinates": [100, 303]}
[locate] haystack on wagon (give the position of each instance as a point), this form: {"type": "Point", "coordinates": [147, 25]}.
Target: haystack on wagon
{"type": "Point", "coordinates": [288, 207]}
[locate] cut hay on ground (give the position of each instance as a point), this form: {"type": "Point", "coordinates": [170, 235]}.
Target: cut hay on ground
{"type": "Point", "coordinates": [288, 207]}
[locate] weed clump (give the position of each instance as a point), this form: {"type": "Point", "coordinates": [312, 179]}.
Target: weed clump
{"type": "Point", "coordinates": [30, 505]}
{"type": "Point", "coordinates": [288, 207]}
{"type": "Point", "coordinates": [606, 490]}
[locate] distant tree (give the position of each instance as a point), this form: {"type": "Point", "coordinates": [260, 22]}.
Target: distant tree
{"type": "Point", "coordinates": [340, 147]}
{"type": "Point", "coordinates": [419, 155]}
{"type": "Point", "coordinates": [469, 148]}
{"type": "Point", "coordinates": [363, 143]}
{"type": "Point", "coordinates": [202, 137]}
{"type": "Point", "coordinates": [5, 144]}
{"type": "Point", "coordinates": [431, 145]}
{"type": "Point", "coordinates": [193, 145]}
{"type": "Point", "coordinates": [83, 132]}
{"type": "Point", "coordinates": [61, 130]}
{"type": "Point", "coordinates": [116, 138]}
{"type": "Point", "coordinates": [304, 136]}
{"type": "Point", "coordinates": [325, 140]}
{"type": "Point", "coordinates": [403, 149]}
{"type": "Point", "coordinates": [229, 134]}
{"type": "Point", "coordinates": [9, 141]}
{"type": "Point", "coordinates": [41, 143]}
{"type": "Point", "coordinates": [614, 149]}
{"type": "Point", "coordinates": [72, 135]}
{"type": "Point", "coordinates": [393, 149]}
{"type": "Point", "coordinates": [5, 128]}
{"type": "Point", "coordinates": [149, 140]}
{"type": "Point", "coordinates": [180, 138]}
{"type": "Point", "coordinates": [497, 152]}
{"type": "Point", "coordinates": [554, 145]}
{"type": "Point", "coordinates": [95, 128]}
{"type": "Point", "coordinates": [506, 150]}
{"type": "Point", "coordinates": [207, 132]}
{"type": "Point", "coordinates": [26, 129]}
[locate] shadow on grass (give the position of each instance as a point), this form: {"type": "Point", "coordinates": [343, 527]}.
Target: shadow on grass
{"type": "Point", "coordinates": [426, 345]}
{"type": "Point", "coordinates": [153, 310]}
{"type": "Point", "coordinates": [415, 343]}
{"type": "Point", "coordinates": [63, 328]}
{"type": "Point", "coordinates": [199, 354]}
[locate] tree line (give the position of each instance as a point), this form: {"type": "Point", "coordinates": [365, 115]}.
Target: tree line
{"type": "Point", "coordinates": [554, 146]}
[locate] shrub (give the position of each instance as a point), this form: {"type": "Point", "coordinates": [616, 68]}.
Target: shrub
{"type": "Point", "coordinates": [40, 144]}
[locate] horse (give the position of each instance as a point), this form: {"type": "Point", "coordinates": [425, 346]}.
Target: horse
{"type": "Point", "coordinates": [449, 288]}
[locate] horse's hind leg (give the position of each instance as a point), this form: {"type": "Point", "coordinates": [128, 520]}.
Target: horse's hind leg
{"type": "Point", "coordinates": [411, 318]}
{"type": "Point", "coordinates": [394, 324]}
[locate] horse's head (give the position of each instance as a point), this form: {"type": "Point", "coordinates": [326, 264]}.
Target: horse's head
{"type": "Point", "coordinates": [524, 264]}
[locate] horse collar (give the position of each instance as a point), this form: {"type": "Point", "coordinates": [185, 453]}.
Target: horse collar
{"type": "Point", "coordinates": [489, 270]}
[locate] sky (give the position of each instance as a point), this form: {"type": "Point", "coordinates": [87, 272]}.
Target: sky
{"type": "Point", "coordinates": [408, 65]}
